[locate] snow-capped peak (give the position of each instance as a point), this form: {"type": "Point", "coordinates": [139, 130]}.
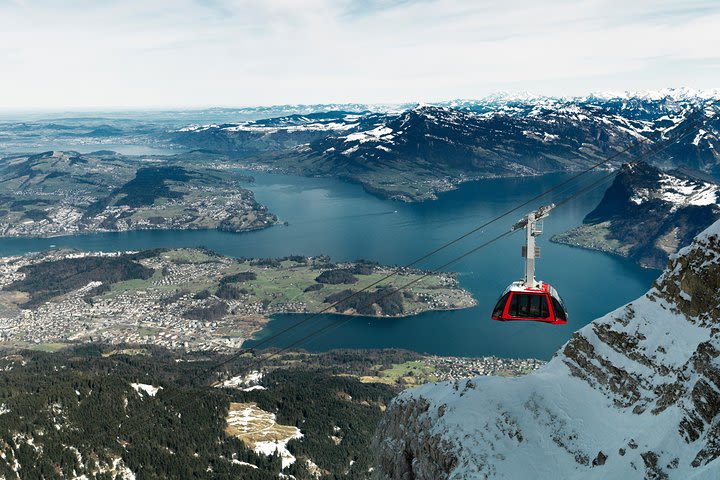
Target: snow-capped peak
{"type": "Point", "coordinates": [674, 94]}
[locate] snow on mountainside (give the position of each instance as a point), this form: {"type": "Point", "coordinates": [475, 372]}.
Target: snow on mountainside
{"type": "Point", "coordinates": [680, 192]}
{"type": "Point", "coordinates": [397, 156]}
{"type": "Point", "coordinates": [323, 121]}
{"type": "Point", "coordinates": [647, 215]}
{"type": "Point", "coordinates": [633, 395]}
{"type": "Point", "coordinates": [420, 150]}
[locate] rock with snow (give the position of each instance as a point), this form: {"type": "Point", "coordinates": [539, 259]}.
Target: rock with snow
{"type": "Point", "coordinates": [633, 395]}
{"type": "Point", "coordinates": [648, 214]}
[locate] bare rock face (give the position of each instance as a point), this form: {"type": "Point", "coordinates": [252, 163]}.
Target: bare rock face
{"type": "Point", "coordinates": [421, 452]}
{"type": "Point", "coordinates": [633, 395]}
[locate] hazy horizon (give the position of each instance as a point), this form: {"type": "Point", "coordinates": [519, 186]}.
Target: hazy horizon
{"type": "Point", "coordinates": [706, 93]}
{"type": "Point", "coordinates": [191, 54]}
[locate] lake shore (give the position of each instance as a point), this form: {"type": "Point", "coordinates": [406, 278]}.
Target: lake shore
{"type": "Point", "coordinates": [195, 299]}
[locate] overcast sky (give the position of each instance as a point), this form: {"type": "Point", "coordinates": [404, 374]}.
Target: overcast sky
{"type": "Point", "coordinates": [194, 53]}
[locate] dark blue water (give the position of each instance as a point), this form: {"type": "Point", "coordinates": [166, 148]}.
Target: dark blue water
{"type": "Point", "coordinates": [330, 217]}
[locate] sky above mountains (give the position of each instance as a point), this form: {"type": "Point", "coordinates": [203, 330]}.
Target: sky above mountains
{"type": "Point", "coordinates": [193, 53]}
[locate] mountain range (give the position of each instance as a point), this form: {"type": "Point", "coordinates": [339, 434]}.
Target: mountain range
{"type": "Point", "coordinates": [414, 153]}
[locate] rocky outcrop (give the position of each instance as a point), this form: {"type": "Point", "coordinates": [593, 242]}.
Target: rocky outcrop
{"type": "Point", "coordinates": [633, 395]}
{"type": "Point", "coordinates": [647, 215]}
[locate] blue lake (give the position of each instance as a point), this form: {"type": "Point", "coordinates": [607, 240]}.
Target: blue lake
{"type": "Point", "coordinates": [327, 216]}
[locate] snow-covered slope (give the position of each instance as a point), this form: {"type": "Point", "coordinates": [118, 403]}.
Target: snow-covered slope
{"type": "Point", "coordinates": [681, 192]}
{"type": "Point", "coordinates": [647, 215]}
{"type": "Point", "coordinates": [415, 152]}
{"type": "Point", "coordinates": [633, 395]}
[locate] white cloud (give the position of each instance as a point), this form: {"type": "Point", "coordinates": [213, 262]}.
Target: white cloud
{"type": "Point", "coordinates": [83, 53]}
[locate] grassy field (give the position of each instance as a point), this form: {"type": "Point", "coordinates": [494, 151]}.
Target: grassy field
{"type": "Point", "coordinates": [404, 374]}
{"type": "Point", "coordinates": [49, 347]}
{"type": "Point", "coordinates": [191, 255]}
{"type": "Point", "coordinates": [194, 270]}
{"type": "Point", "coordinates": [594, 237]}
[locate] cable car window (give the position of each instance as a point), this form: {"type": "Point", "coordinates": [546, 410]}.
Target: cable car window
{"type": "Point", "coordinates": [559, 309]}
{"type": "Point", "coordinates": [525, 305]}
{"type": "Point", "coordinates": [513, 309]}
{"type": "Point", "coordinates": [500, 306]}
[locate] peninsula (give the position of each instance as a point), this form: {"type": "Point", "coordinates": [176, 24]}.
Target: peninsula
{"type": "Point", "coordinates": [64, 193]}
{"type": "Point", "coordinates": [194, 299]}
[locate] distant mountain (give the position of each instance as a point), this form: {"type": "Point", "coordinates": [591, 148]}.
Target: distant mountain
{"type": "Point", "coordinates": [412, 154]}
{"type": "Point", "coordinates": [633, 395]}
{"type": "Point", "coordinates": [61, 193]}
{"type": "Point", "coordinates": [647, 215]}
{"type": "Point", "coordinates": [269, 135]}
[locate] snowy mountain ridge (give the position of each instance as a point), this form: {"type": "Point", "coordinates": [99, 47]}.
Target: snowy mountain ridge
{"type": "Point", "coordinates": [633, 395]}
{"type": "Point", "coordinates": [681, 192]}
{"type": "Point", "coordinates": [313, 116]}
{"type": "Point", "coordinates": [413, 154]}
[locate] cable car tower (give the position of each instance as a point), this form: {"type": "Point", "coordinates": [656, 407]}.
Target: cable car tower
{"type": "Point", "coordinates": [529, 299]}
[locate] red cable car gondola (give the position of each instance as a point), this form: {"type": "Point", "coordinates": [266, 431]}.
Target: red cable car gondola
{"type": "Point", "coordinates": [529, 299]}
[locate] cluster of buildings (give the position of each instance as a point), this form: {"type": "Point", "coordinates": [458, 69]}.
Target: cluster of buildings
{"type": "Point", "coordinates": [138, 315]}
{"type": "Point", "coordinates": [168, 308]}
{"type": "Point", "coordinates": [455, 368]}
{"type": "Point", "coordinates": [204, 207]}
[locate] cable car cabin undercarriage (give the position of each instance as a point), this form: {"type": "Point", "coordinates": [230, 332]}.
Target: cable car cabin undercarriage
{"type": "Point", "coordinates": [529, 299]}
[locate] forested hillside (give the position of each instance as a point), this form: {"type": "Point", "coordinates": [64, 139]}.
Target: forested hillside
{"type": "Point", "coordinates": [113, 413]}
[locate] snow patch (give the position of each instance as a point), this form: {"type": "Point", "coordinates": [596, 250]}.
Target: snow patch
{"type": "Point", "coordinates": [351, 150]}
{"type": "Point", "coordinates": [235, 461]}
{"type": "Point", "coordinates": [680, 192]}
{"type": "Point", "coordinates": [247, 382]}
{"type": "Point", "coordinates": [701, 133]}
{"type": "Point", "coordinates": [149, 390]}
{"type": "Point", "coordinates": [260, 431]}
{"type": "Point", "coordinates": [253, 388]}
{"type": "Point", "coordinates": [376, 134]}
